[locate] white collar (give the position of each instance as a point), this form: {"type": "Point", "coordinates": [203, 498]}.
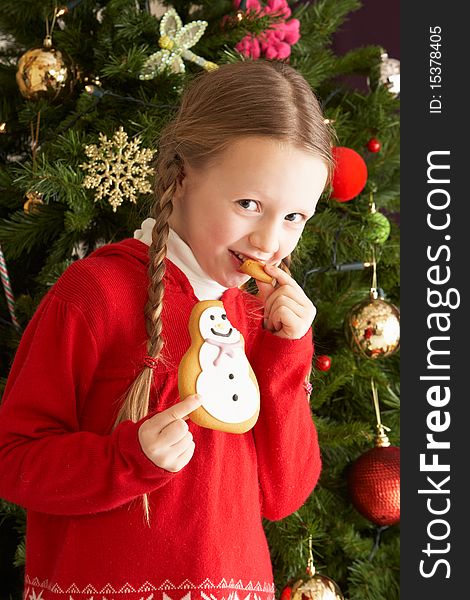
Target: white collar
{"type": "Point", "coordinates": [182, 256]}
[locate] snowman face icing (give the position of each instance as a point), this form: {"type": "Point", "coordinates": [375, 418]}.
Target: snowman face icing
{"type": "Point", "coordinates": [214, 325]}
{"type": "Point", "coordinates": [228, 391]}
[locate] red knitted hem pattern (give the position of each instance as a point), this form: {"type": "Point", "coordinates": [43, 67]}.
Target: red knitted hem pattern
{"type": "Point", "coordinates": [226, 589]}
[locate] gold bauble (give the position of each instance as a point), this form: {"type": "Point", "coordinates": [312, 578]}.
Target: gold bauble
{"type": "Point", "coordinates": [317, 587]}
{"type": "Point", "coordinates": [34, 200]}
{"type": "Point", "coordinates": [45, 73]}
{"type": "Point", "coordinates": [372, 328]}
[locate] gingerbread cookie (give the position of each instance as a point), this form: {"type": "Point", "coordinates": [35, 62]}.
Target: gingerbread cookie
{"type": "Point", "coordinates": [216, 367]}
{"type": "Point", "coordinates": [255, 269]}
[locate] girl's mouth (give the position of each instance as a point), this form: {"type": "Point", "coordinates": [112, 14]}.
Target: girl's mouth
{"type": "Point", "coordinates": [238, 256]}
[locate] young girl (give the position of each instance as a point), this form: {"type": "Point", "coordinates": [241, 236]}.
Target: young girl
{"type": "Point", "coordinates": [126, 497]}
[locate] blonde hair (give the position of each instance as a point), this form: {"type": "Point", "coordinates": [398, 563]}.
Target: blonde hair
{"type": "Point", "coordinates": [249, 98]}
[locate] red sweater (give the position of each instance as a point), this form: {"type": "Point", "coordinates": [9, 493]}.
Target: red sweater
{"type": "Point", "coordinates": [82, 483]}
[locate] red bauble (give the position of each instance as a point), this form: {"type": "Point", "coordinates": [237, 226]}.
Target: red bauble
{"type": "Point", "coordinates": [373, 145]}
{"type": "Point", "coordinates": [286, 593]}
{"type": "Point", "coordinates": [350, 174]}
{"type": "Point", "coordinates": [323, 363]}
{"type": "Point", "coordinates": [374, 485]}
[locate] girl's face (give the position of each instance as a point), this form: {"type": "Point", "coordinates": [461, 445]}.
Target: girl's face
{"type": "Point", "coordinates": [252, 202]}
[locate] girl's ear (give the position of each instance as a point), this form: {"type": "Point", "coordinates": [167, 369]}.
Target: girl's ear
{"type": "Point", "coordinates": [180, 188]}
{"type": "Point", "coordinates": [181, 173]}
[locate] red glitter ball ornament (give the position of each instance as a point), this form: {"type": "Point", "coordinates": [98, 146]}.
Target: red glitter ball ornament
{"type": "Point", "coordinates": [374, 485]}
{"type": "Point", "coordinates": [350, 174]}
{"type": "Point", "coordinates": [323, 363]}
{"type": "Point", "coordinates": [373, 145]}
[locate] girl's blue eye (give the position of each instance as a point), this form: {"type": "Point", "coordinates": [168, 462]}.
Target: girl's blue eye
{"type": "Point", "coordinates": [248, 204]}
{"type": "Point", "coordinates": [294, 218]}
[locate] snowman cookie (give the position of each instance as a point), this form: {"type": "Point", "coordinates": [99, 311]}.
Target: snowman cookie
{"type": "Point", "coordinates": [216, 367]}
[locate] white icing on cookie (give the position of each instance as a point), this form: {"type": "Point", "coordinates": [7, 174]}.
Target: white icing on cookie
{"type": "Point", "coordinates": [230, 395]}
{"type": "Point", "coordinates": [214, 325]}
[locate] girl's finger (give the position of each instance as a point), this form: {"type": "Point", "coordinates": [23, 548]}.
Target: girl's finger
{"type": "Point", "coordinates": [284, 319]}
{"type": "Point", "coordinates": [287, 291]}
{"type": "Point", "coordinates": [182, 445]}
{"type": "Point", "coordinates": [281, 276]}
{"type": "Point", "coordinates": [177, 412]}
{"type": "Point", "coordinates": [173, 433]}
{"type": "Point", "coordinates": [284, 300]}
{"type": "Point", "coordinates": [265, 290]}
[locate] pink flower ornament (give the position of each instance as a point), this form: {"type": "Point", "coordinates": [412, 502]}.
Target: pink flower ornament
{"type": "Point", "coordinates": [275, 42]}
{"type": "Point", "coordinates": [249, 46]}
{"type": "Point", "coordinates": [278, 7]}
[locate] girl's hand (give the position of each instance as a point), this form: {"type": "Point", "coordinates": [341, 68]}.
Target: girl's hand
{"type": "Point", "coordinates": [165, 438]}
{"type": "Point", "coordinates": [288, 312]}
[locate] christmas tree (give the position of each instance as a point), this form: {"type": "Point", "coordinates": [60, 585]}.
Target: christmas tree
{"type": "Point", "coordinates": [85, 89]}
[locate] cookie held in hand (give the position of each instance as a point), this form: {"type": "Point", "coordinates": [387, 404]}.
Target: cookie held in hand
{"type": "Point", "coordinates": [255, 269]}
{"type": "Point", "coordinates": [216, 367]}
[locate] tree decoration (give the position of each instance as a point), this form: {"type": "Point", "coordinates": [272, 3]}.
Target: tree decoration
{"type": "Point", "coordinates": [389, 76]}
{"type": "Point", "coordinates": [33, 198]}
{"type": "Point", "coordinates": [33, 201]}
{"type": "Point", "coordinates": [8, 290]}
{"type": "Point", "coordinates": [175, 41]}
{"type": "Point", "coordinates": [45, 73]}
{"type": "Point", "coordinates": [374, 478]}
{"type": "Point", "coordinates": [323, 363]}
{"type": "Point", "coordinates": [315, 587]}
{"type": "Point", "coordinates": [387, 73]}
{"type": "Point", "coordinates": [372, 326]}
{"type": "Point", "coordinates": [3, 127]}
{"type": "Point", "coordinates": [377, 226]}
{"type": "Point", "coordinates": [118, 169]}
{"type": "Point", "coordinates": [350, 174]}
{"type": "Point", "coordinates": [373, 145]}
{"type": "Point", "coordinates": [374, 485]}
{"type": "Point", "coordinates": [274, 43]}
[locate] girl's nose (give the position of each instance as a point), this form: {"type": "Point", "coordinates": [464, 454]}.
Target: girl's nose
{"type": "Point", "coordinates": [265, 239]}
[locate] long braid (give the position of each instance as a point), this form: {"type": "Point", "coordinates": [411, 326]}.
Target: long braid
{"type": "Point", "coordinates": [160, 232]}
{"type": "Point", "coordinates": [137, 401]}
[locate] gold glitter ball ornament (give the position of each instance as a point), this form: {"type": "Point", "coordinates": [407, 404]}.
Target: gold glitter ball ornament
{"type": "Point", "coordinates": [45, 73]}
{"type": "Point", "coordinates": [372, 328]}
{"type": "Point", "coordinates": [317, 587]}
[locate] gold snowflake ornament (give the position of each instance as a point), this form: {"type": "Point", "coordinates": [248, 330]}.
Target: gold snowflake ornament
{"type": "Point", "coordinates": [175, 41]}
{"type": "Point", "coordinates": [118, 169]}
